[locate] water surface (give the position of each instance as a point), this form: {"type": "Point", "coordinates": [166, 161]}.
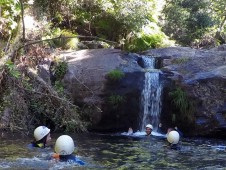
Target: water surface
{"type": "Point", "coordinates": [112, 151]}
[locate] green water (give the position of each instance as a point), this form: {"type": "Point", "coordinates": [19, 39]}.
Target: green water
{"type": "Point", "coordinates": [117, 152]}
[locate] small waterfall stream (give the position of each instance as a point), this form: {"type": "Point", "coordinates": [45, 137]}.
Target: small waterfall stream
{"type": "Point", "coordinates": [151, 95]}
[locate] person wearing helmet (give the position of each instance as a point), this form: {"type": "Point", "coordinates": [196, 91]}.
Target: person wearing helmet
{"type": "Point", "coordinates": [64, 148]}
{"type": "Point", "coordinates": [159, 130]}
{"type": "Point", "coordinates": [178, 130]}
{"type": "Point", "coordinates": [130, 131]}
{"type": "Point", "coordinates": [148, 129]}
{"type": "Point", "coordinates": [173, 138]}
{"type": "Point", "coordinates": [42, 137]}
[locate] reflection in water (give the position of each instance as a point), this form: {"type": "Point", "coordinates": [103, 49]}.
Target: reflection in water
{"type": "Point", "coordinates": [118, 152]}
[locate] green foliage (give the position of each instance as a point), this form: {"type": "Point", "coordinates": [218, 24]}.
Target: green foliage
{"type": "Point", "coordinates": [182, 20]}
{"type": "Point", "coordinates": [108, 27]}
{"type": "Point", "coordinates": [37, 105]}
{"type": "Point", "coordinates": [133, 14]}
{"type": "Point", "coordinates": [179, 99]}
{"type": "Point", "coordinates": [183, 103]}
{"type": "Point", "coordinates": [26, 83]}
{"type": "Point", "coordinates": [149, 37]}
{"type": "Point", "coordinates": [115, 75]}
{"type": "Point", "coordinates": [112, 20]}
{"type": "Point", "coordinates": [181, 60]}
{"type": "Point", "coordinates": [218, 12]}
{"type": "Point", "coordinates": [116, 100]}
{"type": "Point", "coordinates": [2, 53]}
{"type": "Point", "coordinates": [59, 87]}
{"type": "Point", "coordinates": [66, 40]}
{"type": "Point", "coordinates": [144, 42]}
{"type": "Point", "coordinates": [10, 13]}
{"type": "Point", "coordinates": [12, 69]}
{"type": "Point", "coordinates": [32, 103]}
{"type": "Point", "coordinates": [187, 20]}
{"type": "Point", "coordinates": [60, 69]}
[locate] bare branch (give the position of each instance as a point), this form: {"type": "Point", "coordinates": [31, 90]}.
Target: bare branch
{"type": "Point", "coordinates": [22, 16]}
{"type": "Point", "coordinates": [77, 36]}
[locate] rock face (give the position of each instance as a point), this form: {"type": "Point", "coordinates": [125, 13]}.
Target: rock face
{"type": "Point", "coordinates": [202, 75]}
{"type": "Point", "coordinates": [115, 105]}
{"type": "Point", "coordinates": [112, 105]}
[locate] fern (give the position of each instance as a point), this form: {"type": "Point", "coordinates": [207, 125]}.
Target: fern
{"type": "Point", "coordinates": [115, 75]}
{"type": "Point", "coordinates": [183, 103]}
{"type": "Point", "coordinates": [116, 100]}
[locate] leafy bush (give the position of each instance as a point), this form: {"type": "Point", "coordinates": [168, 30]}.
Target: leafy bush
{"type": "Point", "coordinates": [37, 104]}
{"type": "Point", "coordinates": [59, 72]}
{"type": "Point", "coordinates": [116, 100]}
{"type": "Point", "coordinates": [66, 41]}
{"type": "Point", "coordinates": [115, 75]}
{"type": "Point", "coordinates": [9, 15]}
{"type": "Point", "coordinates": [149, 37]}
{"type": "Point", "coordinates": [1, 53]}
{"type": "Point", "coordinates": [12, 69]}
{"type": "Point", "coordinates": [188, 20]}
{"type": "Point", "coordinates": [60, 69]}
{"type": "Point", "coordinates": [63, 39]}
{"type": "Point", "coordinates": [144, 42]}
{"type": "Point", "coordinates": [181, 60]}
{"type": "Point", "coordinates": [58, 86]}
{"type": "Point", "coordinates": [183, 103]}
{"type": "Point", "coordinates": [111, 20]}
{"type": "Point", "coordinates": [179, 99]}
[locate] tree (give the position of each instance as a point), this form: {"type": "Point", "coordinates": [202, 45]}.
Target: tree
{"type": "Point", "coordinates": [9, 16]}
{"type": "Point", "coordinates": [110, 19]}
{"type": "Point", "coordinates": [187, 20]}
{"type": "Point", "coordinates": [219, 14]}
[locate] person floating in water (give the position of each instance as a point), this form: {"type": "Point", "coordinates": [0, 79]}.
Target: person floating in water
{"type": "Point", "coordinates": [173, 138]}
{"type": "Point", "coordinates": [178, 130]}
{"type": "Point", "coordinates": [130, 131]}
{"type": "Point", "coordinates": [148, 129]}
{"type": "Point", "coordinates": [64, 148]}
{"type": "Point", "coordinates": [42, 137]}
{"type": "Point", "coordinates": [159, 130]}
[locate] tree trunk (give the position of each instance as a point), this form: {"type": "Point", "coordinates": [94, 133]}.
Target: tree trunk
{"type": "Point", "coordinates": [22, 17]}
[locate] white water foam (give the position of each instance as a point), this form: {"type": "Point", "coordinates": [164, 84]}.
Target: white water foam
{"type": "Point", "coordinates": [151, 95]}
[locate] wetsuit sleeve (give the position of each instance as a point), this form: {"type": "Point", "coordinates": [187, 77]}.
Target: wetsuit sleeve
{"type": "Point", "coordinates": [180, 133]}
{"type": "Point", "coordinates": [30, 145]}
{"type": "Point", "coordinates": [80, 162]}
{"type": "Point", "coordinates": [77, 160]}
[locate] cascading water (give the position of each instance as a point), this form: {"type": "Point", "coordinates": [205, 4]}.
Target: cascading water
{"type": "Point", "coordinates": [151, 95]}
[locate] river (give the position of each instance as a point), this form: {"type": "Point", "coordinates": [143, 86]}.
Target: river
{"type": "Point", "coordinates": [113, 151]}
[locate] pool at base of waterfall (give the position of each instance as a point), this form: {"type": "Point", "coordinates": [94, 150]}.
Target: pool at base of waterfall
{"type": "Point", "coordinates": [116, 151]}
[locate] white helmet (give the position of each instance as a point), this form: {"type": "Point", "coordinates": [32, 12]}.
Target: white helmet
{"type": "Point", "coordinates": [149, 126]}
{"type": "Point", "coordinates": [64, 145]}
{"type": "Point", "coordinates": [173, 137]}
{"type": "Point", "coordinates": [41, 132]}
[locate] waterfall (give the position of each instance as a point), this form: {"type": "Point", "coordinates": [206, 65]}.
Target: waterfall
{"type": "Point", "coordinates": [151, 95]}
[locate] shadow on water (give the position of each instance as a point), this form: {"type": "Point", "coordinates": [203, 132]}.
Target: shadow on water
{"type": "Point", "coordinates": [112, 151]}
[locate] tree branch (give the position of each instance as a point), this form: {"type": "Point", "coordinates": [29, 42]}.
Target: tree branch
{"type": "Point", "coordinates": [77, 36]}
{"type": "Point", "coordinates": [22, 16]}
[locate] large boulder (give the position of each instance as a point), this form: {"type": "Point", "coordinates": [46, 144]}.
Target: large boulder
{"type": "Point", "coordinates": [111, 105]}
{"type": "Point", "coordinates": [202, 75]}
{"type": "Point", "coordinates": [199, 73]}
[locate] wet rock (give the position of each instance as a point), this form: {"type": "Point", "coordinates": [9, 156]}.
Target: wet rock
{"type": "Point", "coordinates": [202, 74]}
{"type": "Point", "coordinates": [87, 83]}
